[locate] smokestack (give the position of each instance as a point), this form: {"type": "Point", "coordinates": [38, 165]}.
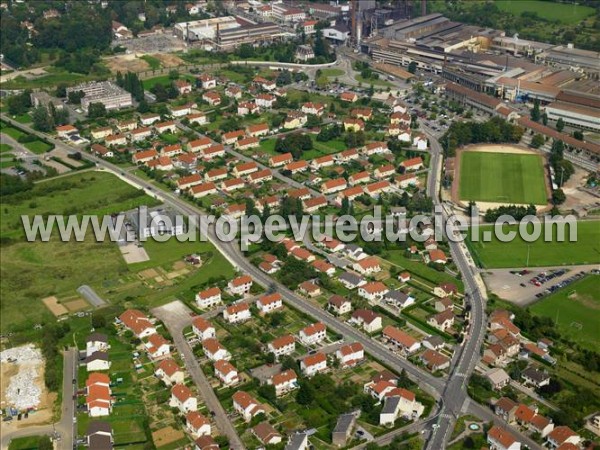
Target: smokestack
{"type": "Point", "coordinates": [423, 7]}
{"type": "Point", "coordinates": [353, 7]}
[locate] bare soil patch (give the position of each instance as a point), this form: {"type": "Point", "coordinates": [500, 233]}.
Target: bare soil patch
{"type": "Point", "coordinates": [169, 60]}
{"type": "Point", "coordinates": [148, 273]}
{"type": "Point", "coordinates": [54, 306]}
{"type": "Point", "coordinates": [77, 305]}
{"type": "Point", "coordinates": [125, 63]}
{"type": "Point", "coordinates": [166, 435]}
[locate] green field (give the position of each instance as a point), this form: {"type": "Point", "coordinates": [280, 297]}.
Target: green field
{"type": "Point", "coordinates": [497, 254]}
{"type": "Point", "coordinates": [31, 271]}
{"type": "Point", "coordinates": [163, 79]}
{"type": "Point", "coordinates": [12, 132]}
{"type": "Point", "coordinates": [565, 13]}
{"type": "Point", "coordinates": [54, 77]}
{"type": "Point", "coordinates": [38, 147]}
{"type": "Point", "coordinates": [576, 310]}
{"type": "Point", "coordinates": [152, 61]}
{"type": "Point", "coordinates": [5, 148]}
{"type": "Point", "coordinates": [502, 178]}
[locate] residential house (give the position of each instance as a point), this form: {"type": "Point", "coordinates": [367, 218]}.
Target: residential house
{"type": "Point", "coordinates": [214, 350]}
{"type": "Point", "coordinates": [266, 434]}
{"type": "Point", "coordinates": [96, 342]}
{"type": "Point", "coordinates": [258, 130]}
{"type": "Point", "coordinates": [434, 360]}
{"type": "Point", "coordinates": [561, 436]}
{"type": "Point", "coordinates": [401, 339]}
{"type": "Point", "coordinates": [316, 109]}
{"type": "Point", "coordinates": [323, 267]}
{"type": "Point", "coordinates": [338, 304]}
{"type": "Point", "coordinates": [101, 133]}
{"type": "Point", "coordinates": [232, 136]}
{"type": "Point", "coordinates": [265, 100]}
{"type": "Point", "coordinates": [199, 144]}
{"type": "Point", "coordinates": [98, 399]}
{"type": "Point", "coordinates": [333, 186]}
{"type": "Point", "coordinates": [384, 171]}
{"type": "Point", "coordinates": [314, 204]}
{"type": "Point", "coordinates": [99, 436]}
{"type": "Point", "coordinates": [64, 131]}
{"type": "Point", "coordinates": [309, 289]}
{"type": "Point", "coordinates": [247, 406]}
{"type": "Point", "coordinates": [412, 164]}
{"type": "Point", "coordinates": [297, 166]}
{"type": "Point", "coordinates": [313, 364]}
{"type": "Point", "coordinates": [358, 178]}
{"type": "Point", "coordinates": [400, 402]}
{"type": "Point", "coordinates": [367, 320]}
{"type": "Point", "coordinates": [101, 151]}
{"type": "Point", "coordinates": [225, 372]}
{"type": "Point", "coordinates": [501, 439]}
{"type": "Point", "coordinates": [208, 297]}
{"type": "Point", "coordinates": [170, 372]}
{"type": "Point", "coordinates": [373, 291]}
{"type": "Point", "coordinates": [214, 151]}
{"type": "Point", "coordinates": [351, 280]}
{"type": "Point", "coordinates": [207, 81]}
{"type": "Point", "coordinates": [203, 328]}
{"type": "Point", "coordinates": [399, 299]}
{"type": "Point", "coordinates": [313, 334]}
{"type": "Point", "coordinates": [212, 98]}
{"type": "Point", "coordinates": [280, 160]}
{"type": "Point", "coordinates": [138, 323]}
{"type": "Point", "coordinates": [140, 134]}
{"type": "Point", "coordinates": [183, 86]}
{"type": "Point", "coordinates": [442, 304]}
{"type": "Point", "coordinates": [197, 119]}
{"type": "Point", "coordinates": [323, 161]}
{"type": "Point", "coordinates": [116, 139]}
{"type": "Point", "coordinates": [350, 355]}
{"type": "Point", "coordinates": [362, 113]}
{"type": "Point", "coordinates": [367, 266]}
{"type": "Point", "coordinates": [437, 256]}
{"type": "Point", "coordinates": [498, 378]}
{"type": "Point", "coordinates": [351, 124]}
{"type": "Point", "coordinates": [240, 285]}
{"type": "Point", "coordinates": [260, 176]}
{"type": "Point", "coordinates": [506, 408]}
{"type": "Point", "coordinates": [245, 108]}
{"type": "Point", "coordinates": [442, 321]}
{"type": "Point", "coordinates": [165, 127]}
{"type": "Point", "coordinates": [205, 442]}
{"type": "Point", "coordinates": [350, 97]}
{"type": "Point", "coordinates": [284, 345]}
{"type": "Point", "coordinates": [236, 313]}
{"type": "Point", "coordinates": [405, 180]}
{"type": "Point", "coordinates": [269, 303]}
{"type": "Point", "coordinates": [144, 156]}
{"type": "Point", "coordinates": [183, 399]}
{"type": "Point", "coordinates": [284, 382]}
{"type": "Point", "coordinates": [443, 291]}
{"type": "Point", "coordinates": [157, 346]}
{"type": "Point", "coordinates": [180, 111]}
{"type": "Point", "coordinates": [149, 119]}
{"type": "Point", "coordinates": [233, 92]}
{"type": "Point", "coordinates": [245, 168]}
{"type": "Point", "coordinates": [535, 377]}
{"type": "Point", "coordinates": [295, 119]}
{"type": "Point", "coordinates": [197, 424]}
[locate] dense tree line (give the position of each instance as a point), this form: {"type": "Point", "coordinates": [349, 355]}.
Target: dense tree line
{"type": "Point", "coordinates": [46, 118]}
{"type": "Point", "coordinates": [563, 169]}
{"type": "Point", "coordinates": [132, 84]}
{"type": "Point", "coordinates": [517, 212]}
{"type": "Point", "coordinates": [495, 130]}
{"type": "Point", "coordinates": [295, 143]}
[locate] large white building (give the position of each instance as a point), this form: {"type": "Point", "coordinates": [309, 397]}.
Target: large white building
{"type": "Point", "coordinates": [105, 92]}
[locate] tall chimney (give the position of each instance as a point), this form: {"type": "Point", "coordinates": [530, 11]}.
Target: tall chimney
{"type": "Point", "coordinates": [423, 7]}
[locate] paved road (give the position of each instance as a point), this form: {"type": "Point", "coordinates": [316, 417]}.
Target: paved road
{"type": "Point", "coordinates": [176, 317]}
{"type": "Point", "coordinates": [65, 427]}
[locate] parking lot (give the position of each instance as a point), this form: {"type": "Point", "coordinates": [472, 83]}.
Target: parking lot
{"type": "Point", "coordinates": [527, 287]}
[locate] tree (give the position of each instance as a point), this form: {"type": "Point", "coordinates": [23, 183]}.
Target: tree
{"type": "Point", "coordinates": [143, 106]}
{"type": "Point", "coordinates": [42, 120]}
{"type": "Point", "coordinates": [75, 97]}
{"type": "Point", "coordinates": [96, 109]}
{"type": "Point", "coordinates": [320, 48]}
{"type": "Point", "coordinates": [537, 141]}
{"type": "Point", "coordinates": [545, 119]}
{"type": "Point", "coordinates": [535, 111]}
{"type": "Point", "coordinates": [412, 67]}
{"type": "Point", "coordinates": [578, 134]}
{"type": "Point", "coordinates": [98, 320]}
{"type": "Point", "coordinates": [306, 394]}
{"type": "Point", "coordinates": [558, 197]}
{"type": "Point", "coordinates": [560, 124]}
{"type": "Point", "coordinates": [173, 74]}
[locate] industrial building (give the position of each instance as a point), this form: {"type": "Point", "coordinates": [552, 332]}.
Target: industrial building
{"type": "Point", "coordinates": [105, 92]}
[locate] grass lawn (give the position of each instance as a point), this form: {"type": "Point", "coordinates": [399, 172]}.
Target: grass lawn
{"type": "Point", "coordinates": [54, 77]}
{"type": "Point", "coordinates": [24, 118]}
{"type": "Point", "coordinates": [25, 443]}
{"type": "Point", "coordinates": [496, 254]}
{"type": "Point", "coordinates": [502, 177]}
{"type": "Point", "coordinates": [368, 82]}
{"type": "Point", "coordinates": [268, 146]}
{"type": "Point", "coordinates": [163, 79]}
{"type": "Point", "coordinates": [152, 61]}
{"type": "Point", "coordinates": [4, 148]}
{"type": "Point", "coordinates": [324, 148]}
{"type": "Point", "coordinates": [5, 163]}
{"type": "Point", "coordinates": [420, 269]}
{"type": "Point", "coordinates": [12, 132]}
{"type": "Point", "coordinates": [38, 147]}
{"type": "Point", "coordinates": [575, 304]}
{"type": "Point", "coordinates": [564, 13]}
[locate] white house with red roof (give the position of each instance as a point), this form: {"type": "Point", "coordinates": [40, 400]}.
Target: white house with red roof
{"type": "Point", "coordinates": [170, 372]}
{"type": "Point", "coordinates": [203, 328]}
{"type": "Point", "coordinates": [280, 160]}
{"type": "Point", "coordinates": [313, 364]}
{"type": "Point", "coordinates": [226, 372]}
{"type": "Point", "coordinates": [208, 297]}
{"type": "Point", "coordinates": [501, 439]}
{"type": "Point", "coordinates": [350, 355]}
{"type": "Point", "coordinates": [270, 303]}
{"type": "Point", "coordinates": [284, 345]}
{"type": "Point", "coordinates": [237, 313]}
{"type": "Point", "coordinates": [373, 291]}
{"type": "Point", "coordinates": [412, 163]}
{"type": "Point", "coordinates": [157, 346]}
{"type": "Point", "coordinates": [367, 266]}
{"type": "Point", "coordinates": [247, 406]}
{"type": "Point", "coordinates": [202, 190]}
{"type": "Point", "coordinates": [400, 402]}
{"type": "Point", "coordinates": [207, 81]}
{"type": "Point", "coordinates": [138, 323]}
{"type": "Point", "coordinates": [240, 285]}
{"type": "Point", "coordinates": [183, 399]}
{"type": "Point", "coordinates": [284, 382]}
{"type": "Point", "coordinates": [214, 350]}
{"type": "Point", "coordinates": [401, 339]}
{"type": "Point", "coordinates": [313, 334]}
{"type": "Point", "coordinates": [197, 424]}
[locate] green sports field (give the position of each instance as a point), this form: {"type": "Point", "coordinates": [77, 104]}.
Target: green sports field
{"type": "Point", "coordinates": [502, 178]}
{"type": "Point", "coordinates": [565, 13]}
{"type": "Point", "coordinates": [576, 311]}
{"type": "Point", "coordinates": [497, 254]}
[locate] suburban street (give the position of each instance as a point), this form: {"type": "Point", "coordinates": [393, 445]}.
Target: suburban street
{"type": "Point", "coordinates": [176, 317]}
{"type": "Point", "coordinates": [65, 428]}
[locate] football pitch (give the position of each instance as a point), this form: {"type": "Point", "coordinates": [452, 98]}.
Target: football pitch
{"type": "Point", "coordinates": [576, 311]}
{"type": "Point", "coordinates": [507, 178]}
{"type": "Point", "coordinates": [518, 252]}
